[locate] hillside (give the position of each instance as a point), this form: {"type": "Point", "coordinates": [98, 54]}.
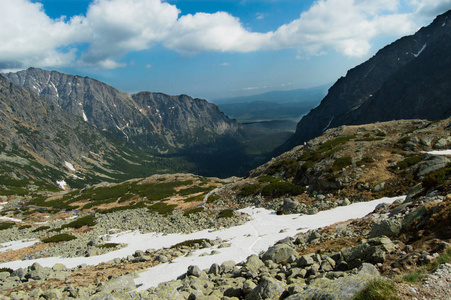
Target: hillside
{"type": "Point", "coordinates": [151, 120]}
{"type": "Point", "coordinates": [338, 170]}
{"type": "Point", "coordinates": [407, 79]}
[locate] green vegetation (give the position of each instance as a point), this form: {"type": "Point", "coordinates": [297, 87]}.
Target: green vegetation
{"type": "Point", "coordinates": [190, 243]}
{"type": "Point", "coordinates": [162, 208]}
{"type": "Point", "coordinates": [408, 162]}
{"type": "Point", "coordinates": [326, 150]}
{"type": "Point", "coordinates": [194, 190]}
{"type": "Point", "coordinates": [365, 160]}
{"type": "Point", "coordinates": [278, 189]}
{"type": "Point", "coordinates": [341, 162]}
{"type": "Point", "coordinates": [403, 140]}
{"type": "Point", "coordinates": [24, 227]}
{"type": "Point", "coordinates": [419, 273]}
{"type": "Point", "coordinates": [6, 225]}
{"type": "Point", "coordinates": [193, 211]}
{"type": "Point", "coordinates": [269, 179]}
{"type": "Point", "coordinates": [108, 245]}
{"type": "Point", "coordinates": [370, 139]}
{"type": "Point", "coordinates": [9, 270]}
{"type": "Point", "coordinates": [141, 204]}
{"type": "Point", "coordinates": [88, 220]}
{"type": "Point", "coordinates": [288, 167]}
{"type": "Point", "coordinates": [250, 190]}
{"type": "Point", "coordinates": [195, 198]}
{"type": "Point", "coordinates": [212, 198]}
{"type": "Point", "coordinates": [377, 289]}
{"type": "Point", "coordinates": [437, 177]}
{"type": "Point", "coordinates": [63, 237]}
{"type": "Point", "coordinates": [225, 213]}
{"type": "Point", "coordinates": [41, 228]}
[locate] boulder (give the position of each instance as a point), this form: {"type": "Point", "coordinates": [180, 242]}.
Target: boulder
{"type": "Point", "coordinates": [388, 227]}
{"type": "Point", "coordinates": [435, 163]}
{"type": "Point", "coordinates": [279, 253]}
{"type": "Point", "coordinates": [119, 284]}
{"type": "Point", "coordinates": [194, 271]}
{"type": "Point", "coordinates": [290, 206]}
{"type": "Point", "coordinates": [227, 266]}
{"type": "Point", "coordinates": [267, 288]}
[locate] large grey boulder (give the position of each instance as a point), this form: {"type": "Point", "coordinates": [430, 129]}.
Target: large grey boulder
{"type": "Point", "coordinates": [437, 162]}
{"type": "Point", "coordinates": [279, 253]}
{"type": "Point", "coordinates": [290, 206]}
{"type": "Point", "coordinates": [388, 227]}
{"type": "Point", "coordinates": [119, 284]}
{"type": "Point", "coordinates": [267, 288]}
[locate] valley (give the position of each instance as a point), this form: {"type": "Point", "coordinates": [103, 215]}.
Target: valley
{"type": "Point", "coordinates": [113, 195]}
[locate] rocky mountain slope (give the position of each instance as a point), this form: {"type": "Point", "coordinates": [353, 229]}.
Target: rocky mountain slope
{"type": "Point", "coordinates": [346, 165]}
{"type": "Point", "coordinates": [407, 79]}
{"type": "Point", "coordinates": [152, 120]}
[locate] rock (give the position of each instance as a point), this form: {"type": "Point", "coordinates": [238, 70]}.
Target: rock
{"type": "Point", "coordinates": [267, 288]}
{"type": "Point", "coordinates": [368, 269]}
{"type": "Point", "coordinates": [413, 192]}
{"type": "Point", "coordinates": [214, 269]}
{"type": "Point", "coordinates": [248, 286]}
{"type": "Point", "coordinates": [59, 267]}
{"type": "Point", "coordinates": [119, 284]}
{"type": "Point", "coordinates": [379, 187]}
{"type": "Point", "coordinates": [305, 260]}
{"type": "Point", "coordinates": [252, 266]}
{"type": "Point", "coordinates": [4, 276]}
{"type": "Point", "coordinates": [417, 215]}
{"type": "Point", "coordinates": [435, 163]}
{"type": "Point", "coordinates": [279, 253]}
{"type": "Point", "coordinates": [344, 202]}
{"type": "Point", "coordinates": [290, 206]}
{"type": "Point", "coordinates": [52, 294]}
{"type": "Point", "coordinates": [194, 271]}
{"type": "Point", "coordinates": [162, 259]}
{"type": "Point", "coordinates": [388, 227]}
{"type": "Point", "coordinates": [441, 144]}
{"type": "Point", "coordinates": [227, 266]}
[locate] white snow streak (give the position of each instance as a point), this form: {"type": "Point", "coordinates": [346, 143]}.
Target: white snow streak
{"type": "Point", "coordinates": [16, 245]}
{"type": "Point", "coordinates": [440, 152]}
{"type": "Point", "coordinates": [69, 166]}
{"type": "Point", "coordinates": [85, 117]}
{"type": "Point", "coordinates": [421, 50]}
{"type": "Point", "coordinates": [62, 184]}
{"type": "Point", "coordinates": [328, 124]}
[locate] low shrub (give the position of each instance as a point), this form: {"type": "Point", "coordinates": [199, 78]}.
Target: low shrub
{"type": "Point", "coordinates": [162, 208]}
{"type": "Point", "coordinates": [9, 270]}
{"type": "Point", "coordinates": [249, 190]}
{"type": "Point", "coordinates": [341, 163]}
{"type": "Point", "coordinates": [41, 228]}
{"type": "Point", "coordinates": [278, 189]}
{"type": "Point", "coordinates": [212, 198]}
{"type": "Point", "coordinates": [408, 162]}
{"type": "Point", "coordinates": [193, 211]}
{"type": "Point", "coordinates": [190, 243]}
{"type": "Point", "coordinates": [6, 225]}
{"type": "Point", "coordinates": [63, 237]}
{"type": "Point", "coordinates": [225, 213]}
{"type": "Point", "coordinates": [435, 178]}
{"type": "Point", "coordinates": [108, 245]}
{"type": "Point", "coordinates": [377, 289]}
{"type": "Point", "coordinates": [88, 220]}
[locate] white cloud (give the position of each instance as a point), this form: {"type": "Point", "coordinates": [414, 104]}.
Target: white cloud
{"type": "Point", "coordinates": [214, 32]}
{"type": "Point", "coordinates": [346, 26]}
{"type": "Point", "coordinates": [431, 8]}
{"type": "Point", "coordinates": [121, 26]}
{"type": "Point", "coordinates": [112, 28]}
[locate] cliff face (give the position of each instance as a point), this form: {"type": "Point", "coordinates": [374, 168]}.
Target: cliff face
{"type": "Point", "coordinates": [407, 79]}
{"type": "Point", "coordinates": [162, 121]}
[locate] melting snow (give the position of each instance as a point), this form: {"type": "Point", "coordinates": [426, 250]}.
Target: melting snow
{"type": "Point", "coordinates": [85, 117]}
{"type": "Point", "coordinates": [62, 184]}
{"type": "Point", "coordinates": [440, 152]}
{"type": "Point", "coordinates": [264, 229]}
{"type": "Point", "coordinates": [16, 245]}
{"type": "Point", "coordinates": [421, 50]}
{"type": "Point", "coordinates": [69, 166]}
{"type": "Point", "coordinates": [10, 219]}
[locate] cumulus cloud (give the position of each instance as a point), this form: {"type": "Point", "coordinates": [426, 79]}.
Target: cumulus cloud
{"type": "Point", "coordinates": [214, 32]}
{"type": "Point", "coordinates": [110, 29]}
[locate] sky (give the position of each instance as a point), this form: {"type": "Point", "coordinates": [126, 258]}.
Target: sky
{"type": "Point", "coordinates": [204, 48]}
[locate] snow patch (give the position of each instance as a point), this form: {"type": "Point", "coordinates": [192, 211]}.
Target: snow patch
{"type": "Point", "coordinates": [421, 50]}
{"type": "Point", "coordinates": [10, 219]}
{"type": "Point", "coordinates": [85, 117]}
{"type": "Point", "coordinates": [328, 124]}
{"type": "Point", "coordinates": [62, 184]}
{"type": "Point", "coordinates": [69, 166]}
{"type": "Point", "coordinates": [16, 245]}
{"type": "Point", "coordinates": [440, 152]}
{"type": "Point", "coordinates": [264, 229]}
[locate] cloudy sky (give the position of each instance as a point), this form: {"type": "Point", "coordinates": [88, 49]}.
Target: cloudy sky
{"type": "Point", "coordinates": [205, 48]}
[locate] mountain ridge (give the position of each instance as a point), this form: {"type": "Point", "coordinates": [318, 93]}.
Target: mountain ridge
{"type": "Point", "coordinates": [350, 93]}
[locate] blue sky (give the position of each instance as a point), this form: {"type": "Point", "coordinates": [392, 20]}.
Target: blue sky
{"type": "Point", "coordinates": [206, 49]}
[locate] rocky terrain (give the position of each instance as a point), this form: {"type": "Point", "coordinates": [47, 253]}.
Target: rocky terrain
{"type": "Point", "coordinates": [407, 79]}
{"type": "Point", "coordinates": [392, 250]}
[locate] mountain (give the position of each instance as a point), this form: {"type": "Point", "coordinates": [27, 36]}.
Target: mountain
{"type": "Point", "coordinates": [407, 79]}
{"type": "Point", "coordinates": [152, 120]}
{"type": "Point", "coordinates": [275, 105]}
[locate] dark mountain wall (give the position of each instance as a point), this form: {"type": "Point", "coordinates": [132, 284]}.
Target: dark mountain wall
{"type": "Point", "coordinates": [406, 79]}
